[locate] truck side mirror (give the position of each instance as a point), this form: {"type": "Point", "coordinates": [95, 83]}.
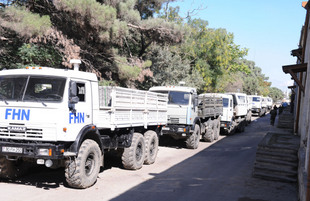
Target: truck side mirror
{"type": "Point", "coordinates": [196, 101]}
{"type": "Point", "coordinates": [73, 99]}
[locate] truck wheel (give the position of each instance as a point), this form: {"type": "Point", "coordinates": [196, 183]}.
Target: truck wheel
{"type": "Point", "coordinates": [217, 128]}
{"type": "Point", "coordinates": [209, 135]}
{"type": "Point", "coordinates": [133, 156]}
{"type": "Point", "coordinates": [12, 169]}
{"type": "Point", "coordinates": [151, 147]}
{"type": "Point", "coordinates": [192, 142]}
{"type": "Point", "coordinates": [83, 171]}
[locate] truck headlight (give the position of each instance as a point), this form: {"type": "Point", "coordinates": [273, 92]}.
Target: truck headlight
{"type": "Point", "coordinates": [44, 152]}
{"type": "Point", "coordinates": [181, 129]}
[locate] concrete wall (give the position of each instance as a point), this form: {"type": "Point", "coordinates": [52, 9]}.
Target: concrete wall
{"type": "Point", "coordinates": [303, 127]}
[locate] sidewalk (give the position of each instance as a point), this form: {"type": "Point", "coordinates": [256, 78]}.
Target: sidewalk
{"type": "Point", "coordinates": [276, 163]}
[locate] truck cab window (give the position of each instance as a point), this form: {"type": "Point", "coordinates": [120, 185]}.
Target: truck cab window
{"type": "Point", "coordinates": [44, 89]}
{"type": "Point", "coordinates": [81, 91]}
{"type": "Point", "coordinates": [178, 98]}
{"type": "Point", "coordinates": [225, 102]}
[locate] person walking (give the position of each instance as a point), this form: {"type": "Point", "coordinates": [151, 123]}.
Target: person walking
{"type": "Point", "coordinates": [273, 114]}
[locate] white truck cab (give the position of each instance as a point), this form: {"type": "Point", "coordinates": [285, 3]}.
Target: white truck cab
{"type": "Point", "coordinates": [182, 109]}
{"type": "Point", "coordinates": [234, 112]}
{"type": "Point", "coordinates": [240, 104]}
{"type": "Point", "coordinates": [228, 108]}
{"type": "Point", "coordinates": [190, 116]}
{"type": "Point", "coordinates": [36, 104]}
{"type": "Point", "coordinates": [257, 105]}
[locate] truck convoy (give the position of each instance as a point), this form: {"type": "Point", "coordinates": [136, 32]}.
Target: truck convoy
{"type": "Point", "coordinates": [61, 118]}
{"type": "Point", "coordinates": [190, 116]}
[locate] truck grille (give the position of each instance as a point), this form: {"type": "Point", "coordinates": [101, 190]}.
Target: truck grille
{"type": "Point", "coordinates": [29, 133]}
{"type": "Point", "coordinates": [174, 120]}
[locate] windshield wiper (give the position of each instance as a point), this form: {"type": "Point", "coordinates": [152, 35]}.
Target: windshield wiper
{"type": "Point", "coordinates": [34, 98]}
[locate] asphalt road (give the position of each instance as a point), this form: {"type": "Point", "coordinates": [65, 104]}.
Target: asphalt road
{"type": "Point", "coordinates": [219, 171]}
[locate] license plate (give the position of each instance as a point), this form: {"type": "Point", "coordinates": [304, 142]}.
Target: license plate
{"type": "Point", "coordinates": [165, 128]}
{"type": "Point", "coordinates": [12, 149]}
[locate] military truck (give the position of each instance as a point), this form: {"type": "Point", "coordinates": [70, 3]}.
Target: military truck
{"type": "Point", "coordinates": [61, 118]}
{"type": "Point", "coordinates": [257, 105]}
{"type": "Point", "coordinates": [191, 116]}
{"type": "Point", "coordinates": [235, 113]}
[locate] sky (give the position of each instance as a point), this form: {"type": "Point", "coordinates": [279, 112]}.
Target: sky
{"type": "Point", "coordinates": [270, 29]}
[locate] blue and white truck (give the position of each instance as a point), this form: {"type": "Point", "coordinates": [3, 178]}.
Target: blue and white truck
{"type": "Point", "coordinates": [62, 118]}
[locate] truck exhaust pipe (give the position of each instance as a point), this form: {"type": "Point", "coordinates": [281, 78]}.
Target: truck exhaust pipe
{"type": "Point", "coordinates": [76, 64]}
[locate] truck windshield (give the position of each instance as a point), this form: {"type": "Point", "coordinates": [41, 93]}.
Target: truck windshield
{"type": "Point", "coordinates": [176, 97]}
{"type": "Point", "coordinates": [32, 88]}
{"type": "Point", "coordinates": [225, 102]}
{"type": "Point", "coordinates": [241, 99]}
{"type": "Point", "coordinates": [256, 99]}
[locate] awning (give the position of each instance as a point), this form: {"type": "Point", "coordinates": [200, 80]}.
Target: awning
{"type": "Point", "coordinates": [293, 70]}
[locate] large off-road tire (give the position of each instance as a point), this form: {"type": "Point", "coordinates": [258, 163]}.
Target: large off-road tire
{"type": "Point", "coordinates": [151, 147]}
{"type": "Point", "coordinates": [217, 128]}
{"type": "Point", "coordinates": [192, 142]}
{"type": "Point", "coordinates": [133, 156]}
{"type": "Point", "coordinates": [12, 169]}
{"type": "Point", "coordinates": [82, 171]}
{"type": "Point", "coordinates": [209, 134]}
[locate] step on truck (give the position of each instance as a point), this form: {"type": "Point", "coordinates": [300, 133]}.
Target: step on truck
{"type": "Point", "coordinates": [235, 113]}
{"type": "Point", "coordinates": [62, 118]}
{"type": "Point", "coordinates": [190, 116]}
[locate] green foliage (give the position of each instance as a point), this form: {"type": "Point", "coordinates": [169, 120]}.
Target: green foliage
{"type": "Point", "coordinates": [127, 71]}
{"type": "Point", "coordinates": [213, 53]}
{"type": "Point", "coordinates": [276, 94]}
{"type": "Point", "coordinates": [31, 54]}
{"type": "Point", "coordinates": [170, 69]}
{"type": "Point", "coordinates": [255, 82]}
{"type": "Point", "coordinates": [106, 83]}
{"type": "Point", "coordinates": [24, 22]}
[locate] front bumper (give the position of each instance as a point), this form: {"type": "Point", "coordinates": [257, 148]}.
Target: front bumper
{"type": "Point", "coordinates": [256, 110]}
{"type": "Point", "coordinates": [177, 131]}
{"type": "Point", "coordinates": [225, 125]}
{"type": "Point", "coordinates": [36, 150]}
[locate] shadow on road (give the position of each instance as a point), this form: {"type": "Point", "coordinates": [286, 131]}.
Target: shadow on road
{"type": "Point", "coordinates": [223, 171]}
{"type": "Point", "coordinates": [40, 177]}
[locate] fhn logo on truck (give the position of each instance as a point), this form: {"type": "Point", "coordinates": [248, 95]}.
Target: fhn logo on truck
{"type": "Point", "coordinates": [76, 118]}
{"type": "Point", "coordinates": [17, 114]}
{"type": "Point", "coordinates": [62, 118]}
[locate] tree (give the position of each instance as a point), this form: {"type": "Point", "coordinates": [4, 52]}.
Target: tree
{"type": "Point", "coordinates": [111, 37]}
{"type": "Point", "coordinates": [169, 69]}
{"type": "Point", "coordinates": [255, 82]}
{"type": "Point", "coordinates": [213, 53]}
{"type": "Point", "coordinates": [276, 94]}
